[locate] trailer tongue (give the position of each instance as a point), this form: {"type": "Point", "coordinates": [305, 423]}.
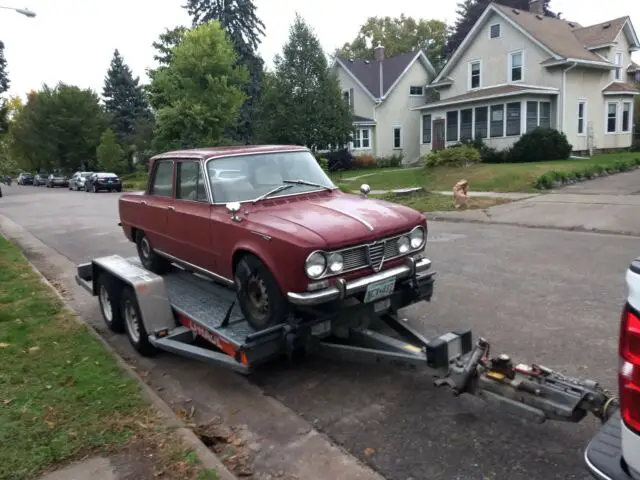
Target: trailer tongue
{"type": "Point", "coordinates": [173, 312]}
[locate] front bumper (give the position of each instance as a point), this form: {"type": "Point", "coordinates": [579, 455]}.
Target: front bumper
{"type": "Point", "coordinates": [342, 289]}
{"type": "Point", "coordinates": [603, 455]}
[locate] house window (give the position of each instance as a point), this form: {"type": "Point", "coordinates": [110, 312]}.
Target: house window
{"type": "Point", "coordinates": [452, 126]}
{"type": "Point", "coordinates": [362, 138]}
{"type": "Point", "coordinates": [515, 67]}
{"type": "Point", "coordinates": [497, 121]}
{"type": "Point", "coordinates": [482, 116]}
{"type": "Point", "coordinates": [514, 116]}
{"type": "Point", "coordinates": [582, 107]}
{"type": "Point", "coordinates": [618, 71]}
{"type": "Point", "coordinates": [426, 129]}
{"type": "Point", "coordinates": [416, 91]}
{"type": "Point", "coordinates": [474, 74]}
{"type": "Point", "coordinates": [612, 114]}
{"type": "Point", "coordinates": [494, 30]}
{"type": "Point", "coordinates": [545, 114]}
{"type": "Point", "coordinates": [626, 117]}
{"type": "Point", "coordinates": [466, 124]}
{"type": "Point", "coordinates": [397, 138]}
{"type": "Point", "coordinates": [532, 116]}
{"type": "Point", "coordinates": [346, 96]}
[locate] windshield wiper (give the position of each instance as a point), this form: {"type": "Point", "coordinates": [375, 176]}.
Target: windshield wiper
{"type": "Point", "coordinates": [304, 182]}
{"type": "Point", "coordinates": [271, 192]}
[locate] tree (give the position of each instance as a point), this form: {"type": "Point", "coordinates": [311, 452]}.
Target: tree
{"type": "Point", "coordinates": [200, 89]}
{"type": "Point", "coordinates": [238, 18]}
{"type": "Point", "coordinates": [58, 128]}
{"type": "Point", "coordinates": [4, 86]}
{"type": "Point", "coordinates": [124, 99]}
{"type": "Point", "coordinates": [109, 154]}
{"type": "Point", "coordinates": [167, 41]}
{"type": "Point", "coordinates": [398, 35]}
{"type": "Point", "coordinates": [469, 11]}
{"type": "Point", "coordinates": [302, 102]}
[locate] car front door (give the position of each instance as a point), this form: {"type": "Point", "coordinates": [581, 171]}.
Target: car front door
{"type": "Point", "coordinates": [190, 220]}
{"type": "Point", "coordinates": [155, 205]}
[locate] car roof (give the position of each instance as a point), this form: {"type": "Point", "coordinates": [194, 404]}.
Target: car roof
{"type": "Point", "coordinates": [217, 152]}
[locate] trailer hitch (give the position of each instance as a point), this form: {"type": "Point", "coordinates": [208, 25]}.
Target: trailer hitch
{"type": "Point", "coordinates": [532, 391]}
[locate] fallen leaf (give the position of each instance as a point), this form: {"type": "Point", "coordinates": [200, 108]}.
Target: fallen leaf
{"type": "Point", "coordinates": [3, 345]}
{"type": "Point", "coordinates": [368, 451]}
{"type": "Point", "coordinates": [50, 424]}
{"type": "Point", "coordinates": [34, 349]}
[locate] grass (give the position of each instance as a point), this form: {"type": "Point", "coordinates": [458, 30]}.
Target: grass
{"type": "Point", "coordinates": [62, 396]}
{"type": "Point", "coordinates": [438, 203]}
{"type": "Point", "coordinates": [505, 177]}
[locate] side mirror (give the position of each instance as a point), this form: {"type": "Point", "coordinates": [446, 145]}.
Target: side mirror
{"type": "Point", "coordinates": [365, 189]}
{"type": "Point", "coordinates": [233, 208]}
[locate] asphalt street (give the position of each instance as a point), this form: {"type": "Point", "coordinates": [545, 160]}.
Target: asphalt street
{"type": "Point", "coordinates": [548, 296]}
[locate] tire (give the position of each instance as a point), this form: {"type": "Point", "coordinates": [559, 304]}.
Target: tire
{"type": "Point", "coordinates": [119, 189]}
{"type": "Point", "coordinates": [150, 259]}
{"type": "Point", "coordinates": [134, 325]}
{"type": "Point", "coordinates": [109, 294]}
{"type": "Point", "coordinates": [259, 295]}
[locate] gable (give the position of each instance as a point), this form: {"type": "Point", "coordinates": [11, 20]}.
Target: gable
{"type": "Point", "coordinates": [606, 33]}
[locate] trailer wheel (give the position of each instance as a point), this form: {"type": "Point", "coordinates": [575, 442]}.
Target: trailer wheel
{"type": "Point", "coordinates": [109, 299]}
{"type": "Point", "coordinates": [259, 296]}
{"type": "Point", "coordinates": [134, 324]}
{"type": "Point", "coordinates": [150, 259]}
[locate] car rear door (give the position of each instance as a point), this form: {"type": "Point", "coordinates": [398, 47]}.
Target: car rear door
{"type": "Point", "coordinates": [155, 205]}
{"type": "Point", "coordinates": [190, 220]}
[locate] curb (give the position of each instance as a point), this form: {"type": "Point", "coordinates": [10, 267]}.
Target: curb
{"type": "Point", "coordinates": [207, 457]}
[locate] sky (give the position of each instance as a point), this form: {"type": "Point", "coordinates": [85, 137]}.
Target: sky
{"type": "Point", "coordinates": [73, 40]}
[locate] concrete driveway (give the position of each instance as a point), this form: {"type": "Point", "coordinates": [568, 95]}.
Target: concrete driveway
{"type": "Point", "coordinates": [541, 295]}
{"type": "Point", "coordinates": [607, 205]}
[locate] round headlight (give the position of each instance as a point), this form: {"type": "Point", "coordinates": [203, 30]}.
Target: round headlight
{"type": "Point", "coordinates": [315, 265]}
{"type": "Point", "coordinates": [335, 262]}
{"type": "Point", "coordinates": [417, 238]}
{"type": "Point", "coordinates": [403, 244]}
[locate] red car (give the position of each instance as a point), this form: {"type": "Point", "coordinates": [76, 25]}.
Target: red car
{"type": "Point", "coordinates": [269, 222]}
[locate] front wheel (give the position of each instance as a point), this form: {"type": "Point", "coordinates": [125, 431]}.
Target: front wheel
{"type": "Point", "coordinates": [134, 324]}
{"type": "Point", "coordinates": [259, 295]}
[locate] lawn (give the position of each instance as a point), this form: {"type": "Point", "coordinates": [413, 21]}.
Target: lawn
{"type": "Point", "coordinates": [62, 396]}
{"type": "Point", "coordinates": [505, 177]}
{"type": "Point", "coordinates": [438, 203]}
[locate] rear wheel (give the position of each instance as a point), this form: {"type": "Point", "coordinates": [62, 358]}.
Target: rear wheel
{"type": "Point", "coordinates": [136, 331]}
{"type": "Point", "coordinates": [150, 259]}
{"type": "Point", "coordinates": [109, 299]}
{"type": "Point", "coordinates": [259, 295]}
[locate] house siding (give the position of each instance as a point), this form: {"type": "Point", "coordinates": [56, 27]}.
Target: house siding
{"type": "Point", "coordinates": [396, 111]}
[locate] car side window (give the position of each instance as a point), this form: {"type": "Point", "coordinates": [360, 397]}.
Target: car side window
{"type": "Point", "coordinates": [163, 180]}
{"type": "Point", "coordinates": [190, 182]}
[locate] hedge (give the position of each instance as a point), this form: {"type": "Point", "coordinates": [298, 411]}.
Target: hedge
{"type": "Point", "coordinates": [555, 179]}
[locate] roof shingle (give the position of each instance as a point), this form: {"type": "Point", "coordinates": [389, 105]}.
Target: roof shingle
{"type": "Point", "coordinates": [620, 87]}
{"type": "Point", "coordinates": [600, 34]}
{"type": "Point", "coordinates": [490, 92]}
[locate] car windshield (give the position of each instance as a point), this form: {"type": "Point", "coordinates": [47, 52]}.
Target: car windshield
{"type": "Point", "coordinates": [247, 177]}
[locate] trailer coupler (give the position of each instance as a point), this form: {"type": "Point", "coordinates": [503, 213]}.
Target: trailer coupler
{"type": "Point", "coordinates": [531, 391]}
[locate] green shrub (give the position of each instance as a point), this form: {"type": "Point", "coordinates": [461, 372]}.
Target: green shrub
{"type": "Point", "coordinates": [324, 164]}
{"type": "Point", "coordinates": [391, 161]}
{"type": "Point", "coordinates": [540, 145]}
{"type": "Point", "coordinates": [453, 157]}
{"type": "Point", "coordinates": [550, 179]}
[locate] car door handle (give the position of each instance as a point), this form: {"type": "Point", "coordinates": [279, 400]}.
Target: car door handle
{"type": "Point", "coordinates": [171, 207]}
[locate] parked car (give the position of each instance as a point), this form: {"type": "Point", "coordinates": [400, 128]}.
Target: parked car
{"type": "Point", "coordinates": [78, 180]}
{"type": "Point", "coordinates": [40, 179]}
{"type": "Point", "coordinates": [103, 181]}
{"type": "Point", "coordinates": [57, 180]}
{"type": "Point", "coordinates": [614, 453]}
{"type": "Point", "coordinates": [281, 233]}
{"type": "Point", "coordinates": [25, 179]}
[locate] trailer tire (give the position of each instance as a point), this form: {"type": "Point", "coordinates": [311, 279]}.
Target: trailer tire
{"type": "Point", "coordinates": [150, 259]}
{"type": "Point", "coordinates": [109, 293]}
{"type": "Point", "coordinates": [134, 324]}
{"type": "Point", "coordinates": [253, 277]}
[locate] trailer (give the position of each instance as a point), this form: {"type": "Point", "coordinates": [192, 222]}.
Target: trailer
{"type": "Point", "coordinates": [190, 315]}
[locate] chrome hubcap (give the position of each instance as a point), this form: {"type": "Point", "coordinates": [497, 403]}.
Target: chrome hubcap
{"type": "Point", "coordinates": [131, 318]}
{"type": "Point", "coordinates": [106, 303]}
{"type": "Point", "coordinates": [145, 248]}
{"type": "Point", "coordinates": [258, 297]}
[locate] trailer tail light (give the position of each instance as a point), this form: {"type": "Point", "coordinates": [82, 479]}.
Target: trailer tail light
{"type": "Point", "coordinates": [629, 374]}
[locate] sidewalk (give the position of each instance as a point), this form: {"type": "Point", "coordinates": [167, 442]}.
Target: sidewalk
{"type": "Point", "coordinates": [66, 398]}
{"type": "Point", "coordinates": [505, 195]}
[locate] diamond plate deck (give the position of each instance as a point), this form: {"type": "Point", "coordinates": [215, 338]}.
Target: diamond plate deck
{"type": "Point", "coordinates": [206, 303]}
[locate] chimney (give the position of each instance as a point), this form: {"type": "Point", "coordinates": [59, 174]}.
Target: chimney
{"type": "Point", "coordinates": [378, 55]}
{"type": "Point", "coordinates": [537, 7]}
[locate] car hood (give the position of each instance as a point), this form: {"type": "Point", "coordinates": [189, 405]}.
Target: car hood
{"type": "Point", "coordinates": [336, 219]}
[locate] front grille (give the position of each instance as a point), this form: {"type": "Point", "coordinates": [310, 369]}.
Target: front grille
{"type": "Point", "coordinates": [376, 254]}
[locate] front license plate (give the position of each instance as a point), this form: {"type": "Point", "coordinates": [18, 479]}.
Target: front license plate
{"type": "Point", "coordinates": [380, 289]}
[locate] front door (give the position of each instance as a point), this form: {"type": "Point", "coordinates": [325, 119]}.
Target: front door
{"type": "Point", "coordinates": [438, 141]}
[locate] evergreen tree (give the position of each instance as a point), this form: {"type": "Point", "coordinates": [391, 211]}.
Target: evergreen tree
{"type": "Point", "coordinates": [302, 103]}
{"type": "Point", "coordinates": [244, 29]}
{"type": "Point", "coordinates": [125, 100]}
{"type": "Point", "coordinates": [109, 154]}
{"type": "Point", "coordinates": [469, 11]}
